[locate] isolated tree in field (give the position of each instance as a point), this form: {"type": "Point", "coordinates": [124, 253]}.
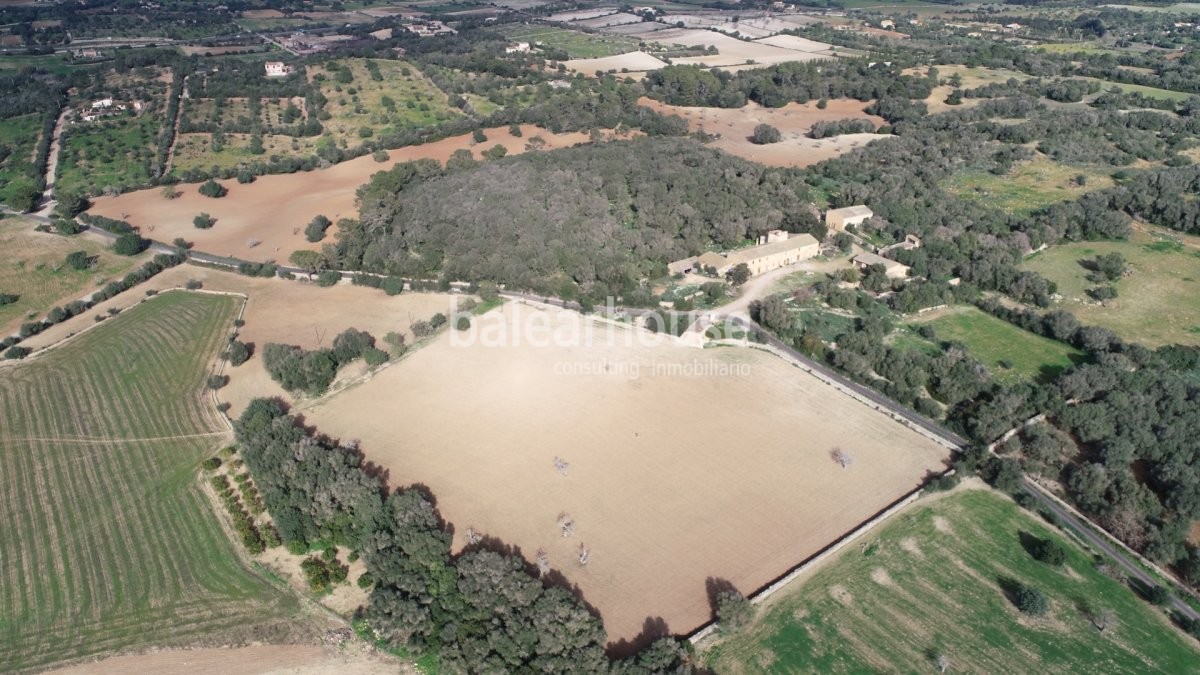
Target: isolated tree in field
{"type": "Point", "coordinates": [1049, 552]}
{"type": "Point", "coordinates": [941, 661]}
{"type": "Point", "coordinates": [204, 221]}
{"type": "Point", "coordinates": [8, 299]}
{"type": "Point", "coordinates": [585, 554]}
{"type": "Point", "coordinates": [238, 353]}
{"type": "Point", "coordinates": [79, 260]}
{"type": "Point", "coordinates": [217, 381]}
{"type": "Point", "coordinates": [1030, 600]}
{"type": "Point", "coordinates": [396, 342]}
{"type": "Point", "coordinates": [734, 611]}
{"type": "Point", "coordinates": [497, 151]}
{"type": "Point", "coordinates": [315, 230]}
{"type": "Point", "coordinates": [1103, 619]}
{"type": "Point", "coordinates": [738, 275]}
{"type": "Point", "coordinates": [1111, 266]}
{"type": "Point", "coordinates": [842, 457]}
{"type": "Point", "coordinates": [765, 134]}
{"type": "Point", "coordinates": [212, 188]}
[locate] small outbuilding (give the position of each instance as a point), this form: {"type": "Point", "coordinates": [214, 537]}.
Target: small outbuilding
{"type": "Point", "coordinates": [838, 219]}
{"type": "Point", "coordinates": [893, 269]}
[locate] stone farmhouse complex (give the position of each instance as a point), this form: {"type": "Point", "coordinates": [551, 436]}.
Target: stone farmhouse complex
{"type": "Point", "coordinates": [776, 249]}
{"type": "Point", "coordinates": [837, 219]}
{"type": "Point", "coordinates": [893, 269]}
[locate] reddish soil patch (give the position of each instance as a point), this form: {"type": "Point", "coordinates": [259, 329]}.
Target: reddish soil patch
{"type": "Point", "coordinates": [735, 126]}
{"type": "Point", "coordinates": [273, 210]}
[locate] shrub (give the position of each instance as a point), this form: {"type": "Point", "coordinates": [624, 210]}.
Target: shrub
{"type": "Point", "coordinates": [1031, 601]}
{"type": "Point", "coordinates": [212, 188]}
{"type": "Point", "coordinates": [296, 547]}
{"type": "Point", "coordinates": [204, 221]}
{"type": "Point", "coordinates": [463, 323]}
{"type": "Point", "coordinates": [238, 353]}
{"type": "Point", "coordinates": [392, 285]}
{"type": "Point", "coordinates": [216, 381]}
{"type": "Point", "coordinates": [365, 580]}
{"type": "Point", "coordinates": [16, 352]}
{"type": "Point", "coordinates": [79, 260]}
{"type": "Point", "coordinates": [1049, 552]}
{"type": "Point", "coordinates": [374, 357]}
{"type": "Point", "coordinates": [8, 299]}
{"type": "Point", "coordinates": [193, 285]}
{"type": "Point", "coordinates": [765, 134]}
{"type": "Point", "coordinates": [734, 611]}
{"type": "Point", "coordinates": [328, 278]}
{"type": "Point", "coordinates": [212, 463]}
{"type": "Point", "coordinates": [1158, 595]}
{"type": "Point", "coordinates": [130, 244]}
{"type": "Point", "coordinates": [315, 230]}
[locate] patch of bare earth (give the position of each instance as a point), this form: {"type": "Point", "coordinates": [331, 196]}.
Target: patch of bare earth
{"type": "Point", "coordinates": [881, 577]}
{"type": "Point", "coordinates": [666, 484]}
{"type": "Point", "coordinates": [735, 126]}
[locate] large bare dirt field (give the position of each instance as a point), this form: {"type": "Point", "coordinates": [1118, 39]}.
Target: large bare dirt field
{"type": "Point", "coordinates": [273, 210]}
{"type": "Point", "coordinates": [673, 478]}
{"type": "Point", "coordinates": [732, 51]}
{"type": "Point", "coordinates": [736, 126]}
{"type": "Point", "coordinates": [638, 62]}
{"type": "Point", "coordinates": [258, 660]}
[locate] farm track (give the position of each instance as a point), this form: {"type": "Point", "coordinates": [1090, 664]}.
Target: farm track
{"type": "Point", "coordinates": [113, 545]}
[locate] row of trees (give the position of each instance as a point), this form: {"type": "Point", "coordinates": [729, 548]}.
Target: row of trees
{"type": "Point", "coordinates": [479, 611]}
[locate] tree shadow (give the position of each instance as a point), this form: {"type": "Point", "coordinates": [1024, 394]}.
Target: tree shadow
{"type": "Point", "coordinates": [1031, 543]}
{"type": "Point", "coordinates": [1009, 587]}
{"type": "Point", "coordinates": [715, 587]}
{"type": "Point", "coordinates": [653, 628]}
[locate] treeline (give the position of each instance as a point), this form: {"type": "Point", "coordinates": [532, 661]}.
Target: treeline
{"type": "Point", "coordinates": [110, 290]}
{"type": "Point", "coordinates": [825, 129]}
{"type": "Point", "coordinates": [581, 222]}
{"type": "Point", "coordinates": [787, 82]}
{"type": "Point", "coordinates": [479, 611]}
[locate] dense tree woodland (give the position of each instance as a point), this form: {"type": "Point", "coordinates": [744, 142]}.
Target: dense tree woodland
{"type": "Point", "coordinates": [483, 610]}
{"type": "Point", "coordinates": [588, 221]}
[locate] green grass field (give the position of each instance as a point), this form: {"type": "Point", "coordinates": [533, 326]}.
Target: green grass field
{"type": "Point", "coordinates": [111, 544]}
{"type": "Point", "coordinates": [1151, 92]}
{"type": "Point", "coordinates": [1028, 186]}
{"type": "Point", "coordinates": [994, 341]}
{"type": "Point", "coordinates": [18, 138]}
{"type": "Point", "coordinates": [929, 583]}
{"type": "Point", "coordinates": [577, 45]}
{"type": "Point", "coordinates": [416, 101]}
{"type": "Point", "coordinates": [1158, 304]}
{"type": "Point", "coordinates": [32, 266]}
{"type": "Point", "coordinates": [116, 152]}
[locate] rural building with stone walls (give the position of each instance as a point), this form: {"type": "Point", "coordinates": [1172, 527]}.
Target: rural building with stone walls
{"type": "Point", "coordinates": [776, 249]}
{"type": "Point", "coordinates": [838, 219]}
{"type": "Point", "coordinates": [893, 269]}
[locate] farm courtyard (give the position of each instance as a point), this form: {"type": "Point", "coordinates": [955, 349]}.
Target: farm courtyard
{"type": "Point", "coordinates": [670, 479]}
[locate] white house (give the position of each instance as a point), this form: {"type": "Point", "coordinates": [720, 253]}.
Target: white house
{"type": "Point", "coordinates": [277, 68]}
{"type": "Point", "coordinates": [102, 104]}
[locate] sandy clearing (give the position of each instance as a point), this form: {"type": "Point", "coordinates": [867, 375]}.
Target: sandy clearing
{"type": "Point", "coordinates": [632, 61]}
{"type": "Point", "coordinates": [669, 483]}
{"type": "Point", "coordinates": [257, 660]}
{"type": "Point", "coordinates": [273, 210]}
{"type": "Point", "coordinates": [732, 51]}
{"type": "Point", "coordinates": [794, 42]}
{"type": "Point", "coordinates": [736, 125]}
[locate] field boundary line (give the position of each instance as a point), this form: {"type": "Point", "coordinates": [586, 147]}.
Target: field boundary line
{"type": "Point", "coordinates": [824, 554]}
{"type": "Point", "coordinates": [222, 360]}
{"type": "Point", "coordinates": [940, 440]}
{"type": "Point", "coordinates": [82, 331]}
{"type": "Point", "coordinates": [98, 439]}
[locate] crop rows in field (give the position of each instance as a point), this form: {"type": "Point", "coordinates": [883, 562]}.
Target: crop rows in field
{"type": "Point", "coordinates": [113, 545]}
